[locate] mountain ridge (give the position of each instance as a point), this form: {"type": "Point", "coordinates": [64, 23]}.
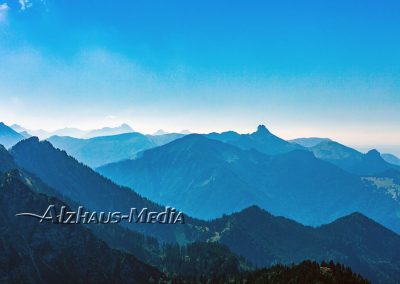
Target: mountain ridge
{"type": "Point", "coordinates": [8, 136]}
{"type": "Point", "coordinates": [262, 140]}
{"type": "Point", "coordinates": [229, 179]}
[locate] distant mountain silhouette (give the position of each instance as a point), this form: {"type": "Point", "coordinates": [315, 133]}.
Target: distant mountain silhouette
{"type": "Point", "coordinates": [160, 132]}
{"type": "Point", "coordinates": [227, 179]}
{"type": "Point", "coordinates": [309, 142]}
{"type": "Point", "coordinates": [104, 149]}
{"type": "Point", "coordinates": [75, 132]}
{"type": "Point", "coordinates": [8, 136]}
{"type": "Point", "coordinates": [18, 128]}
{"type": "Point", "coordinates": [390, 158]}
{"type": "Point", "coordinates": [43, 134]}
{"type": "Point", "coordinates": [33, 252]}
{"type": "Point", "coordinates": [101, 150]}
{"type": "Point", "coordinates": [336, 153]}
{"type": "Point", "coordinates": [349, 159]}
{"type": "Point", "coordinates": [69, 131]}
{"type": "Point", "coordinates": [106, 131]}
{"type": "Point", "coordinates": [262, 140]}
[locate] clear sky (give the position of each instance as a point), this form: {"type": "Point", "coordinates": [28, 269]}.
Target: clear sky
{"type": "Point", "coordinates": [303, 68]}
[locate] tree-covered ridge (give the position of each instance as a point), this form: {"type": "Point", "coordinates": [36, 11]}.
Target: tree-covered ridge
{"type": "Point", "coordinates": [307, 272]}
{"type": "Point", "coordinates": [47, 253]}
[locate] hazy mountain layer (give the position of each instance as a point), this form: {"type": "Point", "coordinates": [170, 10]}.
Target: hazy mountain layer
{"type": "Point", "coordinates": [8, 136]}
{"type": "Point", "coordinates": [101, 150]}
{"type": "Point", "coordinates": [309, 142]}
{"type": "Point", "coordinates": [262, 140]}
{"type": "Point", "coordinates": [392, 159]}
{"type": "Point", "coordinates": [351, 160]}
{"type": "Point", "coordinates": [227, 179]}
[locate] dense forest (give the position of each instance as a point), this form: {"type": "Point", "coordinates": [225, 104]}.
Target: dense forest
{"type": "Point", "coordinates": [307, 272]}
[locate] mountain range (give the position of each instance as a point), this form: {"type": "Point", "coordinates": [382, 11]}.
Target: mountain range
{"type": "Point", "coordinates": [351, 160]}
{"type": "Point", "coordinates": [107, 131]}
{"type": "Point", "coordinates": [228, 179]}
{"type": "Point", "coordinates": [43, 134]}
{"type": "Point", "coordinates": [253, 233]}
{"type": "Point", "coordinates": [101, 150]}
{"type": "Point", "coordinates": [74, 141]}
{"type": "Point", "coordinates": [74, 132]}
{"type": "Point", "coordinates": [261, 140]}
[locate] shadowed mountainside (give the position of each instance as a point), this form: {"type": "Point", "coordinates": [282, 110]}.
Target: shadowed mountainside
{"type": "Point", "coordinates": [47, 253]}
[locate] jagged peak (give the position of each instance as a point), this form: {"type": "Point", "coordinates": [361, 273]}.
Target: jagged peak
{"type": "Point", "coordinates": [261, 129]}
{"type": "Point", "coordinates": [32, 141]}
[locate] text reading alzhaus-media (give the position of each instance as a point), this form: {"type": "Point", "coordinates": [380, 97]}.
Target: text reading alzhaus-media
{"type": "Point", "coordinates": [63, 216]}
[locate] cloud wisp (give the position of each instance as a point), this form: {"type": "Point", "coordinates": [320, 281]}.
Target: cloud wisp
{"type": "Point", "coordinates": [3, 12]}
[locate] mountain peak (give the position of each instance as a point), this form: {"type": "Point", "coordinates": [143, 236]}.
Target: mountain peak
{"type": "Point", "coordinates": [353, 218]}
{"type": "Point", "coordinates": [109, 131]}
{"type": "Point", "coordinates": [32, 143]}
{"type": "Point", "coordinates": [33, 139]}
{"type": "Point", "coordinates": [160, 132]}
{"type": "Point", "coordinates": [373, 153]}
{"type": "Point", "coordinates": [126, 126]}
{"type": "Point", "coordinates": [5, 128]}
{"type": "Point", "coordinates": [261, 129]}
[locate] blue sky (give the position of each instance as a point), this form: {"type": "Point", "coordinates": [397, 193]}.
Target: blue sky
{"type": "Point", "coordinates": [304, 68]}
